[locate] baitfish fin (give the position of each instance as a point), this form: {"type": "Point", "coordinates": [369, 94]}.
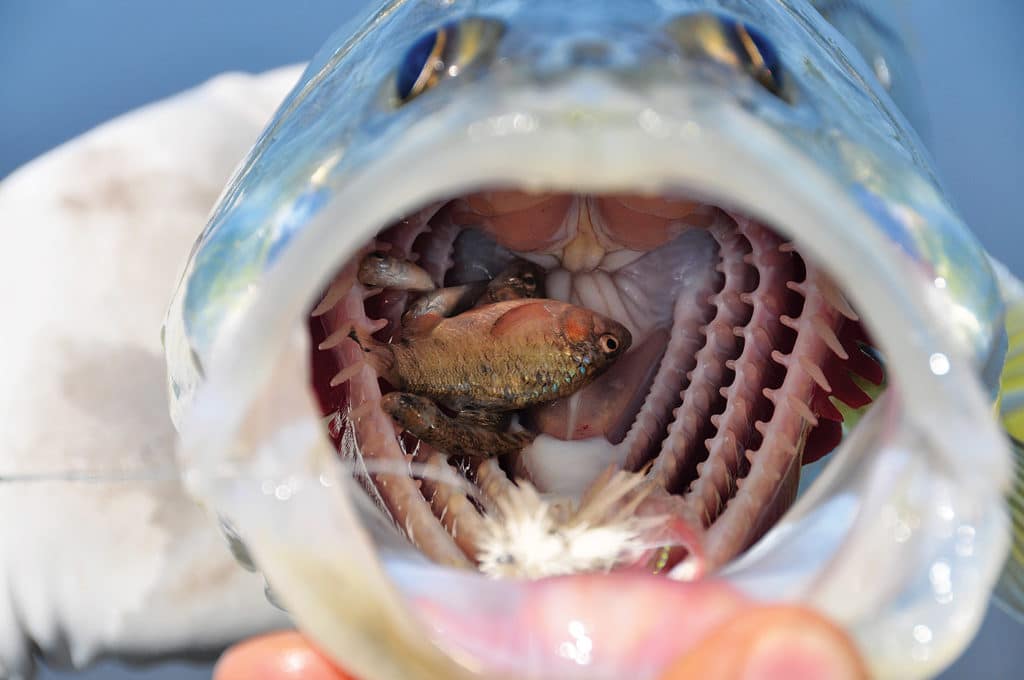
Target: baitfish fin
{"type": "Point", "coordinates": [376, 354]}
{"type": "Point", "coordinates": [520, 318]}
{"type": "Point", "coordinates": [1010, 590]}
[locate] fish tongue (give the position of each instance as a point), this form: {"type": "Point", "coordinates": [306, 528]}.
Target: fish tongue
{"type": "Point", "coordinates": [607, 406]}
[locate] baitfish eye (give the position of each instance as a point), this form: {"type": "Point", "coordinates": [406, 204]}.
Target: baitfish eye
{"type": "Point", "coordinates": [529, 280]}
{"type": "Point", "coordinates": [608, 343]}
{"type": "Point", "coordinates": [446, 52]}
{"type": "Point", "coordinates": [728, 41]}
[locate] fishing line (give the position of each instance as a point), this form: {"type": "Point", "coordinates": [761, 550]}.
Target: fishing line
{"type": "Point", "coordinates": [171, 473]}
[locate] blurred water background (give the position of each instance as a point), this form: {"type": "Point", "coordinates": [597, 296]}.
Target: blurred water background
{"type": "Point", "coordinates": [66, 66]}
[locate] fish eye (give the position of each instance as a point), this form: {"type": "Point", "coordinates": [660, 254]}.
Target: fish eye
{"type": "Point", "coordinates": [608, 343]}
{"type": "Point", "coordinates": [529, 280]}
{"type": "Point", "coordinates": [761, 58]}
{"type": "Point", "coordinates": [445, 52]}
{"type": "Point", "coordinates": [735, 43]}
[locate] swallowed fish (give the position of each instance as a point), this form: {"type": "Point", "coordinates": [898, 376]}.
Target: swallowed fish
{"type": "Point", "coordinates": [383, 271]}
{"type": "Point", "coordinates": [504, 356]}
{"type": "Point", "coordinates": [473, 431]}
{"type": "Point", "coordinates": [464, 434]}
{"type": "Point", "coordinates": [520, 279]}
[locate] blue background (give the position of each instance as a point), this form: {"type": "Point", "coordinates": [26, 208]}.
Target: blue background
{"type": "Point", "coordinates": [66, 66]}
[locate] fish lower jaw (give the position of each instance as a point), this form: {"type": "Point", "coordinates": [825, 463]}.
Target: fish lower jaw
{"type": "Point", "coordinates": [742, 352]}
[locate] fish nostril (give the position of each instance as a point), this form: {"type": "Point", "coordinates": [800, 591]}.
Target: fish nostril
{"type": "Point", "coordinates": [725, 40]}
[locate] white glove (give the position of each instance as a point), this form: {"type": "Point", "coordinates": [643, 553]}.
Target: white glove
{"type": "Point", "coordinates": [94, 235]}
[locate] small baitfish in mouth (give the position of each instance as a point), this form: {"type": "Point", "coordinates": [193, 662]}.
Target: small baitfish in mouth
{"type": "Point", "coordinates": [510, 352]}
{"type": "Point", "coordinates": [742, 361]}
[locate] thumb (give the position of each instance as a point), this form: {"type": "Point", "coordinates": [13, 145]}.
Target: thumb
{"type": "Point", "coordinates": [772, 642]}
{"type": "Point", "coordinates": [276, 656]}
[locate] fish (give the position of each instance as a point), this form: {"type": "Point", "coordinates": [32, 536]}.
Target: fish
{"type": "Point", "coordinates": [423, 418]}
{"type": "Point", "coordinates": [505, 356]}
{"type": "Point", "coordinates": [732, 178]}
{"type": "Point", "coordinates": [738, 176]}
{"type": "Point", "coordinates": [382, 271]}
{"type": "Point", "coordinates": [481, 428]}
{"type": "Point", "coordinates": [520, 279]}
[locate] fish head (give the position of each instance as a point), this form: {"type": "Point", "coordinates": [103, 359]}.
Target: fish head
{"type": "Point", "coordinates": [409, 410]}
{"type": "Point", "coordinates": [601, 339]}
{"type": "Point", "coordinates": [760, 112]}
{"type": "Point", "coordinates": [613, 339]}
{"type": "Point", "coordinates": [520, 279]}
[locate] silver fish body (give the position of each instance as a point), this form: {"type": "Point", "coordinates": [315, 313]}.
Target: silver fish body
{"type": "Point", "coordinates": [906, 526]}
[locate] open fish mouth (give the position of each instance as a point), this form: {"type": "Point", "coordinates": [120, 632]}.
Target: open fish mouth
{"type": "Point", "coordinates": [694, 203]}
{"type": "Point", "coordinates": [745, 358]}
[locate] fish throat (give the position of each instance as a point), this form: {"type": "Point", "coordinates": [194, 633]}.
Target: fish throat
{"type": "Point", "coordinates": [745, 360]}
